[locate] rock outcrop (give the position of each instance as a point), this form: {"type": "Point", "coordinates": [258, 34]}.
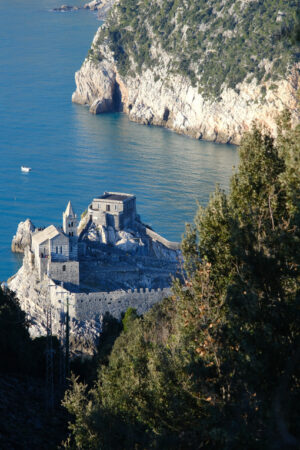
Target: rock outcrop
{"type": "Point", "coordinates": [22, 237]}
{"type": "Point", "coordinates": [102, 7]}
{"type": "Point", "coordinates": [118, 269]}
{"type": "Point", "coordinates": [173, 103]}
{"type": "Point", "coordinates": [33, 296]}
{"type": "Point", "coordinates": [205, 68]}
{"type": "Point", "coordinates": [140, 240]}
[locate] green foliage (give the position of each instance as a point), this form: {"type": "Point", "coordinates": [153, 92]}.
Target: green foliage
{"type": "Point", "coordinates": [19, 353]}
{"type": "Point", "coordinates": [210, 42]}
{"type": "Point", "coordinates": [216, 366]}
{"type": "Point", "coordinates": [83, 214]}
{"type": "Point", "coordinates": [14, 336]}
{"type": "Point", "coordinates": [128, 318]}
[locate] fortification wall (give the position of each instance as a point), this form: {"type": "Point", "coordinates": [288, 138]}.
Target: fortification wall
{"type": "Point", "coordinates": [156, 237]}
{"type": "Point", "coordinates": [92, 305]}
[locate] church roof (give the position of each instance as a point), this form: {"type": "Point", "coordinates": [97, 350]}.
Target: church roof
{"type": "Point", "coordinates": [48, 233]}
{"type": "Point", "coordinates": [69, 210]}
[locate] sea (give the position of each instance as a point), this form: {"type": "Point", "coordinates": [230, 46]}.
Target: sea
{"type": "Point", "coordinates": [75, 155]}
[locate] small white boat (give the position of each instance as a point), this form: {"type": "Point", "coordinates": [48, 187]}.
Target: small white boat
{"type": "Point", "coordinates": [25, 169]}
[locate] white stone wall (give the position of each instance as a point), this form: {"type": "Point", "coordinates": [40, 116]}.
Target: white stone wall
{"type": "Point", "coordinates": [67, 272]}
{"type": "Point", "coordinates": [90, 306]}
{"type": "Point", "coordinates": [59, 247]}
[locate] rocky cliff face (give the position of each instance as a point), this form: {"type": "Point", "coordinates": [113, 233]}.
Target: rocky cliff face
{"type": "Point", "coordinates": [22, 238]}
{"type": "Point", "coordinates": [207, 69]}
{"type": "Point", "coordinates": [34, 298]}
{"type": "Point", "coordinates": [173, 103]}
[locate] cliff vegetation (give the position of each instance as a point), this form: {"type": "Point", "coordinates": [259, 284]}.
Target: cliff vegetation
{"type": "Point", "coordinates": [214, 44]}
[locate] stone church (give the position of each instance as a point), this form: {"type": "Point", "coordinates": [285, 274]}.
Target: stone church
{"type": "Point", "coordinates": [55, 250]}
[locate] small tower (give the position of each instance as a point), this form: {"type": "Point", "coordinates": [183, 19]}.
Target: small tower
{"type": "Point", "coordinates": [70, 221]}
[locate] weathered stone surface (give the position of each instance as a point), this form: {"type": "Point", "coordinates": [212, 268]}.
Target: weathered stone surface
{"type": "Point", "coordinates": [161, 98]}
{"type": "Point", "coordinates": [95, 83]}
{"type": "Point", "coordinates": [93, 5]}
{"type": "Point", "coordinates": [118, 269]}
{"type": "Point", "coordinates": [23, 236]}
{"type": "Point", "coordinates": [35, 300]}
{"type": "Point", "coordinates": [101, 106]}
{"type": "Point", "coordinates": [64, 8]}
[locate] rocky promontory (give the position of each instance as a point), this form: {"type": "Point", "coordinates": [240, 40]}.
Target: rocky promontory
{"type": "Point", "coordinates": [145, 75]}
{"type": "Point", "coordinates": [100, 267]}
{"type": "Point", "coordinates": [33, 295]}
{"type": "Point", "coordinates": [22, 237]}
{"type": "Point", "coordinates": [100, 6]}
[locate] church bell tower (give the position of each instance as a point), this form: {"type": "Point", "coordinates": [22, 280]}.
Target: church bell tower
{"type": "Point", "coordinates": [70, 221]}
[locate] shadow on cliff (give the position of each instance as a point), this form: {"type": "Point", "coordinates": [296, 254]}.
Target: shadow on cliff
{"type": "Point", "coordinates": [117, 105]}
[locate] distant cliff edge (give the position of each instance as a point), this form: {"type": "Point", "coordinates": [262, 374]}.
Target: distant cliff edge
{"type": "Point", "coordinates": [205, 69]}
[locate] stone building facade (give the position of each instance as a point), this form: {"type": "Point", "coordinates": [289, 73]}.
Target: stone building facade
{"type": "Point", "coordinates": [56, 250]}
{"type": "Point", "coordinates": [114, 209]}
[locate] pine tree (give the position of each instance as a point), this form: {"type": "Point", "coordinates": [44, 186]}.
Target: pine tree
{"type": "Point", "coordinates": [216, 366]}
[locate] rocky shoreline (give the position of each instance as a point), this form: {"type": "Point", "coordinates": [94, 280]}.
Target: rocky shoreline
{"type": "Point", "coordinates": [101, 7]}
{"type": "Point", "coordinates": [170, 101]}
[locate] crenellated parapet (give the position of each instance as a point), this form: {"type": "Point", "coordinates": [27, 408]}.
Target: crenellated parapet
{"type": "Point", "coordinates": [93, 305]}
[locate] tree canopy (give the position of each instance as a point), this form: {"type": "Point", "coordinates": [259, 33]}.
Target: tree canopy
{"type": "Point", "coordinates": [215, 366]}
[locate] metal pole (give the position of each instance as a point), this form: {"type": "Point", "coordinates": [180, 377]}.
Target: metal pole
{"type": "Point", "coordinates": [67, 340]}
{"type": "Point", "coordinates": [49, 362]}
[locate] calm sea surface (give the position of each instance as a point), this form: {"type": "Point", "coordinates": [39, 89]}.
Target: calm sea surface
{"type": "Point", "coordinates": [75, 155]}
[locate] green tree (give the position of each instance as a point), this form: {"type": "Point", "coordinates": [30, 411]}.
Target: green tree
{"type": "Point", "coordinates": [14, 336]}
{"type": "Point", "coordinates": [216, 366]}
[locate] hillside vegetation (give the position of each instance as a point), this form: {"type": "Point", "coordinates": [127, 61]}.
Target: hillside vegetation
{"type": "Point", "coordinates": [213, 43]}
{"type": "Point", "coordinates": [216, 366]}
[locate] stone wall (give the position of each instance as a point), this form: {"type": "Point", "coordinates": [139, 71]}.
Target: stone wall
{"type": "Point", "coordinates": [59, 246]}
{"type": "Point", "coordinates": [67, 272]}
{"type": "Point", "coordinates": [91, 306]}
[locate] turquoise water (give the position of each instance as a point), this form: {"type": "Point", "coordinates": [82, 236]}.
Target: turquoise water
{"type": "Point", "coordinates": [75, 155]}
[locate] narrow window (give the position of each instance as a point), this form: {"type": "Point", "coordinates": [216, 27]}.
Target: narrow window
{"type": "Point", "coordinates": [56, 249]}
{"type": "Point", "coordinates": [107, 207]}
{"type": "Point", "coordinates": [64, 268]}
{"type": "Point", "coordinates": [71, 224]}
{"type": "Point", "coordinates": [61, 249]}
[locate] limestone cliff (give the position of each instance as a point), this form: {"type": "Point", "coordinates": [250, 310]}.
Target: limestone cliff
{"type": "Point", "coordinates": [22, 238]}
{"type": "Point", "coordinates": [142, 75]}
{"type": "Point", "coordinates": [34, 298]}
